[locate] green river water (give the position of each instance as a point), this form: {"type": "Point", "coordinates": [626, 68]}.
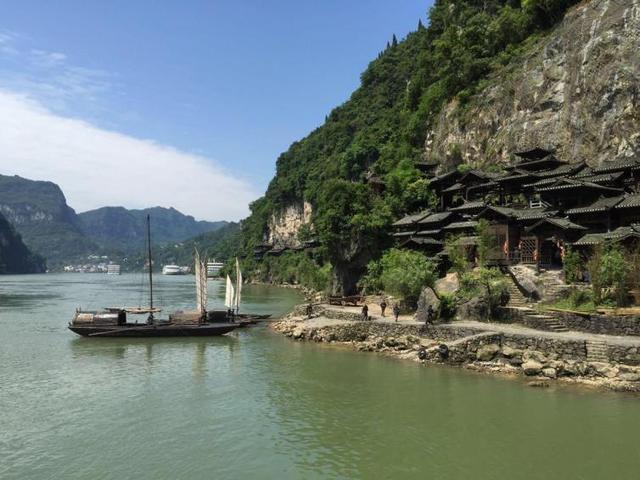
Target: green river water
{"type": "Point", "coordinates": [255, 405]}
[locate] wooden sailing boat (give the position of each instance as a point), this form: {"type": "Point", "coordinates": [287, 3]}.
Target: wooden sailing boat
{"type": "Point", "coordinates": [112, 322]}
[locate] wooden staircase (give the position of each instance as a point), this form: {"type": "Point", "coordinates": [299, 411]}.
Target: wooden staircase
{"type": "Point", "coordinates": [596, 351]}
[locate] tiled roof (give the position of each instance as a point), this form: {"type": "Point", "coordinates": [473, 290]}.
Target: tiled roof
{"type": "Point", "coordinates": [568, 169]}
{"type": "Point", "coordinates": [427, 233]}
{"type": "Point", "coordinates": [425, 241]}
{"type": "Point", "coordinates": [520, 213]}
{"type": "Point", "coordinates": [403, 234]}
{"type": "Point", "coordinates": [444, 176]}
{"type": "Point", "coordinates": [632, 201]}
{"type": "Point", "coordinates": [454, 188]}
{"type": "Point", "coordinates": [563, 223]}
{"type": "Point", "coordinates": [461, 225]}
{"type": "Point", "coordinates": [600, 178]}
{"type": "Point", "coordinates": [618, 234]}
{"type": "Point", "coordinates": [568, 183]}
{"type": "Point", "coordinates": [617, 165]}
{"type": "Point", "coordinates": [534, 153]}
{"type": "Point", "coordinates": [409, 219]}
{"type": "Point", "coordinates": [468, 206]}
{"type": "Point", "coordinates": [435, 218]}
{"type": "Point", "coordinates": [600, 205]}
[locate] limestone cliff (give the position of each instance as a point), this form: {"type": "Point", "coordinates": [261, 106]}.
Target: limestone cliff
{"type": "Point", "coordinates": [576, 91]}
{"type": "Point", "coordinates": [285, 224]}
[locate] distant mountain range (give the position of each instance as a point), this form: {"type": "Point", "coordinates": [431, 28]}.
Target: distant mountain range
{"type": "Point", "coordinates": [38, 211]}
{"type": "Point", "coordinates": [120, 229]}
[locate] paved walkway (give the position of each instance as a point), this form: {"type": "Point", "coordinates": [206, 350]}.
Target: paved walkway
{"type": "Point", "coordinates": [374, 311]}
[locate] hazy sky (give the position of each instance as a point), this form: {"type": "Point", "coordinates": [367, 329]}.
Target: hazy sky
{"type": "Point", "coordinates": [177, 103]}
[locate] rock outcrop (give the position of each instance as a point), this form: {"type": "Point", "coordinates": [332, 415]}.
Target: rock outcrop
{"type": "Point", "coordinates": [285, 224]}
{"type": "Point", "coordinates": [38, 210]}
{"type": "Point", "coordinates": [577, 92]}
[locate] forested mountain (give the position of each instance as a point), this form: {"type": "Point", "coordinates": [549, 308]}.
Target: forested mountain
{"type": "Point", "coordinates": [120, 229]}
{"type": "Point", "coordinates": [389, 123]}
{"type": "Point", "coordinates": [15, 257]}
{"type": "Point", "coordinates": [39, 212]}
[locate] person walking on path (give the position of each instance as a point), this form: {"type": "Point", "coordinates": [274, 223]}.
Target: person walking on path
{"type": "Point", "coordinates": [430, 314]}
{"type": "Point", "coordinates": [365, 312]}
{"type": "Point", "coordinates": [383, 306]}
{"type": "Point", "coordinates": [396, 311]}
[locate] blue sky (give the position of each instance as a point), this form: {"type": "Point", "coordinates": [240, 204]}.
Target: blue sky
{"type": "Point", "coordinates": [228, 84]}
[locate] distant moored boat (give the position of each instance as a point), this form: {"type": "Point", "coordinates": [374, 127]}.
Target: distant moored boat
{"type": "Point", "coordinates": [213, 268]}
{"type": "Point", "coordinates": [173, 270]}
{"type": "Point", "coordinates": [113, 269]}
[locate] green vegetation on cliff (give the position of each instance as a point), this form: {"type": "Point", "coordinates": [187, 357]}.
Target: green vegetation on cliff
{"type": "Point", "coordinates": [381, 129]}
{"type": "Point", "coordinates": [15, 257]}
{"type": "Point", "coordinates": [123, 230]}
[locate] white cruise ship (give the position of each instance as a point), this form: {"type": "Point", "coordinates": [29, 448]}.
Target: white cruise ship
{"type": "Point", "coordinates": [173, 270]}
{"type": "Point", "coordinates": [213, 268]}
{"type": "Point", "coordinates": [113, 269]}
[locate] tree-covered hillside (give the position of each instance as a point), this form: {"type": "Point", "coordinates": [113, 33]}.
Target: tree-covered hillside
{"type": "Point", "coordinates": [123, 230]}
{"type": "Point", "coordinates": [381, 129]}
{"type": "Point", "coordinates": [38, 210]}
{"type": "Point", "coordinates": [15, 257]}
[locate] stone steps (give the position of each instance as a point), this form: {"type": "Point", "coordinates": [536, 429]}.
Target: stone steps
{"type": "Point", "coordinates": [552, 323]}
{"type": "Point", "coordinates": [596, 351]}
{"type": "Point", "coordinates": [516, 298]}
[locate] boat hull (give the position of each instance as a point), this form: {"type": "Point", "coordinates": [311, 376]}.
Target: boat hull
{"type": "Point", "coordinates": [137, 330]}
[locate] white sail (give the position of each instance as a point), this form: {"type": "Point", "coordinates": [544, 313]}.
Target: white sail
{"type": "Point", "coordinates": [238, 286]}
{"type": "Point", "coordinates": [201, 283]}
{"type": "Point", "coordinates": [229, 294]}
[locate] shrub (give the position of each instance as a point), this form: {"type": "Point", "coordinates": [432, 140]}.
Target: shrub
{"type": "Point", "coordinates": [457, 255]}
{"type": "Point", "coordinates": [573, 265]}
{"type": "Point", "coordinates": [614, 271]}
{"type": "Point", "coordinates": [401, 273]}
{"type": "Point", "coordinates": [593, 267]}
{"type": "Point", "coordinates": [448, 305]}
{"type": "Point", "coordinates": [486, 242]}
{"type": "Point", "coordinates": [486, 283]}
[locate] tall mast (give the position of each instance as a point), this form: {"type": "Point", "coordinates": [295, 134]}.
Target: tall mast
{"type": "Point", "coordinates": [150, 269]}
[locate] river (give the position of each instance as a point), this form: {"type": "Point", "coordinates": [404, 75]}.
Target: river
{"type": "Point", "coordinates": [255, 405]}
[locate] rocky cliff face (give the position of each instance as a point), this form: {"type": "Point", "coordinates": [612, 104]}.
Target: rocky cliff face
{"type": "Point", "coordinates": [285, 224]}
{"type": "Point", "coordinates": [576, 91]}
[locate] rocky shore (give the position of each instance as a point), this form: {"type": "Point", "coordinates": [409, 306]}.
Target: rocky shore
{"type": "Point", "coordinates": [542, 357]}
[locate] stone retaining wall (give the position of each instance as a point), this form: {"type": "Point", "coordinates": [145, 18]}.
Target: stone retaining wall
{"type": "Point", "coordinates": [604, 324]}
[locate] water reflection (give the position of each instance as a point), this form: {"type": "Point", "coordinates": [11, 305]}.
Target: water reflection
{"type": "Point", "coordinates": [154, 350]}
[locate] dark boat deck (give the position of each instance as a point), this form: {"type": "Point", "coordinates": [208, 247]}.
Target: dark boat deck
{"type": "Point", "coordinates": [155, 330]}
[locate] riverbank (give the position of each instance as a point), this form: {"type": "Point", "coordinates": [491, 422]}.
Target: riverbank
{"type": "Point", "coordinates": [603, 361]}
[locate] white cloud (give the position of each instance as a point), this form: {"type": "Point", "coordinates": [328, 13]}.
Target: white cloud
{"type": "Point", "coordinates": [95, 167]}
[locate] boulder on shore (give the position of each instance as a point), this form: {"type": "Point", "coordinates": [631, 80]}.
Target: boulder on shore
{"type": "Point", "coordinates": [486, 352]}
{"type": "Point", "coordinates": [449, 284]}
{"type": "Point", "coordinates": [427, 297]}
{"type": "Point", "coordinates": [532, 367]}
{"type": "Point", "coordinates": [475, 309]}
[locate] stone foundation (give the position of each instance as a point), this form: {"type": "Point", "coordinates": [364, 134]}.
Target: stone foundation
{"type": "Point", "coordinates": [543, 355]}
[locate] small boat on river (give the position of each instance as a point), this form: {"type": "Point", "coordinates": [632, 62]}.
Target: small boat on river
{"type": "Point", "coordinates": [113, 322]}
